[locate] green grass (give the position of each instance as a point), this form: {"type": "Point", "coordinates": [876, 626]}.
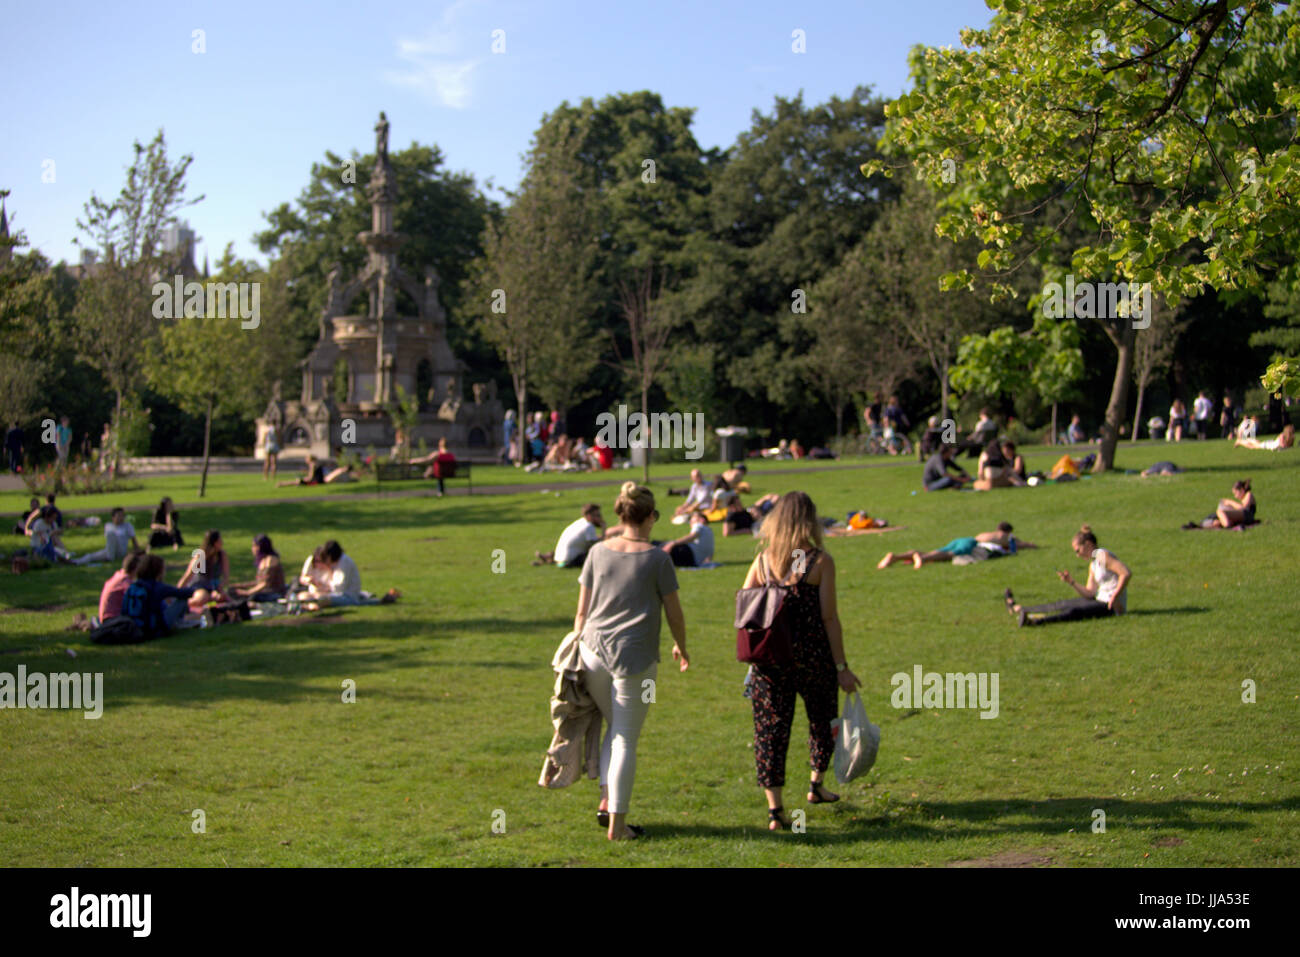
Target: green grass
{"type": "Point", "coordinates": [1139, 716]}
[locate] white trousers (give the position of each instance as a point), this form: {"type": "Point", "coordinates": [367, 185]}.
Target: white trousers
{"type": "Point", "coordinates": [623, 703]}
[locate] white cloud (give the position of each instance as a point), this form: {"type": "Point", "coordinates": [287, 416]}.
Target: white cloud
{"type": "Point", "coordinates": [435, 65]}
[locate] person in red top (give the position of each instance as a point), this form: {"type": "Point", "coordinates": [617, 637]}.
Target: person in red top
{"type": "Point", "coordinates": [602, 454]}
{"type": "Point", "coordinates": [442, 465]}
{"type": "Point", "coordinates": [110, 599]}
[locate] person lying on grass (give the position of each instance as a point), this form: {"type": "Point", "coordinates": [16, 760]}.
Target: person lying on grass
{"type": "Point", "coordinates": [1106, 592]}
{"type": "Point", "coordinates": [1235, 512]}
{"type": "Point", "coordinates": [1285, 440]}
{"type": "Point", "coordinates": [1002, 538]}
{"type": "Point", "coordinates": [738, 519]}
{"type": "Point", "coordinates": [1161, 468]}
{"type": "Point", "coordinates": [269, 584]}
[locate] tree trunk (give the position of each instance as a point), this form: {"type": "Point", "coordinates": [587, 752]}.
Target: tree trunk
{"type": "Point", "coordinates": [1137, 413]}
{"type": "Point", "coordinates": [1051, 439]}
{"type": "Point", "coordinates": [207, 448]}
{"type": "Point", "coordinates": [839, 421]}
{"type": "Point", "coordinates": [1117, 406]}
{"type": "Point", "coordinates": [943, 392]}
{"type": "Point", "coordinates": [117, 436]}
{"type": "Point", "coordinates": [645, 420]}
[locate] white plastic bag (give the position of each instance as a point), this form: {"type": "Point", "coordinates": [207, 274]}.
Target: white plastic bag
{"type": "Point", "coordinates": [856, 741]}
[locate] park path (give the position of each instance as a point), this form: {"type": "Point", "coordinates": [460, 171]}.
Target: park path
{"type": "Point", "coordinates": [508, 489]}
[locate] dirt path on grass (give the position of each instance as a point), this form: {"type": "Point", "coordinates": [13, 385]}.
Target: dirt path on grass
{"type": "Point", "coordinates": [513, 489]}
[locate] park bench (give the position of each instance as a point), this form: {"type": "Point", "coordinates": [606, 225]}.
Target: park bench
{"type": "Point", "coordinates": [404, 471]}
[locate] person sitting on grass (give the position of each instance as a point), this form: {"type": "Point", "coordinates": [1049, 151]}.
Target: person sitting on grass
{"type": "Point", "coordinates": [153, 604]}
{"type": "Point", "coordinates": [993, 470]}
{"type": "Point", "coordinates": [739, 519]}
{"type": "Point", "coordinates": [1161, 468]}
{"type": "Point", "coordinates": [315, 578]}
{"type": "Point", "coordinates": [1235, 512]}
{"type": "Point", "coordinates": [119, 541]}
{"type": "Point", "coordinates": [1284, 440]}
{"type": "Point", "coordinates": [1106, 592]}
{"type": "Point", "coordinates": [114, 590]}
{"type": "Point", "coordinates": [165, 529]}
{"type": "Point", "coordinates": [575, 541]}
{"type": "Point", "coordinates": [24, 527]}
{"type": "Point", "coordinates": [55, 514]}
{"type": "Point", "coordinates": [342, 471]}
{"type": "Point", "coordinates": [1002, 538]}
{"type": "Point", "coordinates": [723, 494]}
{"type": "Point", "coordinates": [345, 579]}
{"type": "Point", "coordinates": [735, 478]}
{"type": "Point", "coordinates": [1015, 462]}
{"type": "Point", "coordinates": [936, 477]}
{"type": "Point", "coordinates": [698, 496]}
{"type": "Point", "coordinates": [314, 473]}
{"type": "Point", "coordinates": [46, 543]}
{"type": "Point", "coordinates": [695, 548]}
{"type": "Point", "coordinates": [269, 583]}
{"type": "Point", "coordinates": [206, 571]}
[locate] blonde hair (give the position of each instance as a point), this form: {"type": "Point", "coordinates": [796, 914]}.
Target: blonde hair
{"type": "Point", "coordinates": [635, 503]}
{"type": "Point", "coordinates": [792, 524]}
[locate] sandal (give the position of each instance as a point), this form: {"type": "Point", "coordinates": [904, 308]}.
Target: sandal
{"type": "Point", "coordinates": [1011, 602]}
{"type": "Point", "coordinates": [815, 794]}
{"type": "Point", "coordinates": [776, 816]}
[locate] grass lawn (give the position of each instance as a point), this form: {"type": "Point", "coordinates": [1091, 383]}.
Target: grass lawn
{"type": "Point", "coordinates": [1140, 716]}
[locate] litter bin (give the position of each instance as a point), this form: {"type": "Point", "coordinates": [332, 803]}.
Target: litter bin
{"type": "Point", "coordinates": [731, 441]}
{"type": "Point", "coordinates": [637, 455]}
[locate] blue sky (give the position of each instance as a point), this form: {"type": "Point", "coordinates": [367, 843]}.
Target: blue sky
{"type": "Point", "coordinates": [279, 83]}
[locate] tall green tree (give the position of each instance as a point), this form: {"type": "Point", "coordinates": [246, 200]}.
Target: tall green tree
{"type": "Point", "coordinates": [214, 365]}
{"type": "Point", "coordinates": [114, 314]}
{"type": "Point", "coordinates": [1168, 130]}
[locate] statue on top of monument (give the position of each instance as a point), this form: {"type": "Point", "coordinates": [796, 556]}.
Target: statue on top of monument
{"type": "Point", "coordinates": [381, 136]}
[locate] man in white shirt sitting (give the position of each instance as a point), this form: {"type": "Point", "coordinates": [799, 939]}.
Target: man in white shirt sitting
{"type": "Point", "coordinates": [119, 541]}
{"type": "Point", "coordinates": [345, 577]}
{"type": "Point", "coordinates": [576, 540]}
{"type": "Point", "coordinates": [699, 496]}
{"type": "Point", "coordinates": [694, 549]}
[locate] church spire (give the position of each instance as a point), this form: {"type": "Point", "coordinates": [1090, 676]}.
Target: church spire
{"type": "Point", "coordinates": [6, 250]}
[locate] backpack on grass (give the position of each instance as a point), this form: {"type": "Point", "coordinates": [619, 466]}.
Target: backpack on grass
{"type": "Point", "coordinates": [122, 630]}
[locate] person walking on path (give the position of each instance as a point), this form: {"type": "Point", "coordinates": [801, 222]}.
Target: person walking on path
{"type": "Point", "coordinates": [794, 556]}
{"type": "Point", "coordinates": [626, 587]}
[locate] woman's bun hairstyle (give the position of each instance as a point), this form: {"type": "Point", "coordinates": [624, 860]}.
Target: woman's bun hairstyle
{"type": "Point", "coordinates": [635, 503]}
{"type": "Point", "coordinates": [1085, 534]}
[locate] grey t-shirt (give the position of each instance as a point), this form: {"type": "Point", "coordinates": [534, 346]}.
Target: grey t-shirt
{"type": "Point", "coordinates": [626, 607]}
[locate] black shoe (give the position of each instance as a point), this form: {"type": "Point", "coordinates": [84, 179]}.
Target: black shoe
{"type": "Point", "coordinates": [602, 818]}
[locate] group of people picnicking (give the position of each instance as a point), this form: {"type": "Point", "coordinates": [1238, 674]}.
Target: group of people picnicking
{"type": "Point", "coordinates": [138, 590]}
{"type": "Point", "coordinates": [547, 447]}
{"type": "Point", "coordinates": [329, 576]}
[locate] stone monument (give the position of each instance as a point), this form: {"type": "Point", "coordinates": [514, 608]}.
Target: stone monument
{"type": "Point", "coordinates": [372, 352]}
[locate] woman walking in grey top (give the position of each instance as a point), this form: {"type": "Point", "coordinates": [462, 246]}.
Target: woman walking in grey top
{"type": "Point", "coordinates": [625, 584]}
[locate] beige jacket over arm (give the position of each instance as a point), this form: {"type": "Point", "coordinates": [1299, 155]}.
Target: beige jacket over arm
{"type": "Point", "coordinates": [575, 746]}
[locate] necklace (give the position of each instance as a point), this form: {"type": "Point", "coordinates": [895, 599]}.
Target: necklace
{"type": "Point", "coordinates": [644, 541]}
